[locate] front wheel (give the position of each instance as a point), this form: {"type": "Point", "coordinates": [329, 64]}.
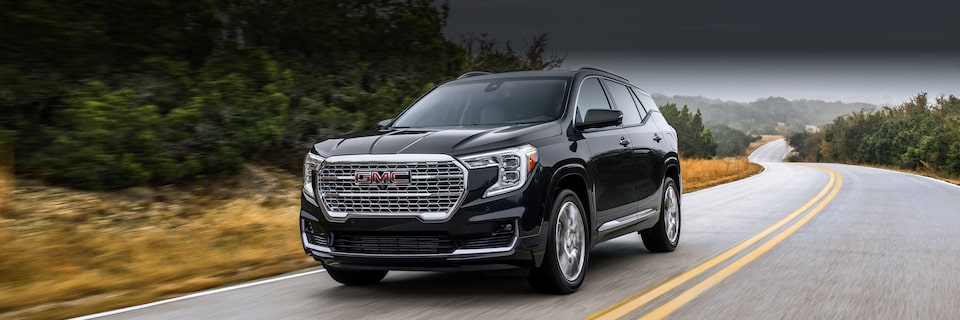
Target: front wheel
{"type": "Point", "coordinates": [355, 277]}
{"type": "Point", "coordinates": [665, 235]}
{"type": "Point", "coordinates": [565, 261]}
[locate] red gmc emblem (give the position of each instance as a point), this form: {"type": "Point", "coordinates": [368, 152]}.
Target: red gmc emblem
{"type": "Point", "coordinates": [382, 177]}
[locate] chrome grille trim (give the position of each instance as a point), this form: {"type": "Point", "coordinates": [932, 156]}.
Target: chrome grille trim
{"type": "Point", "coordinates": [436, 189]}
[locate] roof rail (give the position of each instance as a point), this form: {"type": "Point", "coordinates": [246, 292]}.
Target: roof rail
{"type": "Point", "coordinates": [605, 71]}
{"type": "Point", "coordinates": [473, 74]}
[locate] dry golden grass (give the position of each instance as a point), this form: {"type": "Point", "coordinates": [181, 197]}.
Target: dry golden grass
{"type": "Point", "coordinates": [6, 188]}
{"type": "Point", "coordinates": [6, 175]}
{"type": "Point", "coordinates": [703, 173]}
{"type": "Point", "coordinates": [61, 264]}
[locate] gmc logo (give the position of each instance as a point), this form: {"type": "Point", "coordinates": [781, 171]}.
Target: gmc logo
{"type": "Point", "coordinates": [382, 177]}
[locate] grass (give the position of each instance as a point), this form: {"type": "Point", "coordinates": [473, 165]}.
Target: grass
{"type": "Point", "coordinates": [67, 253]}
{"type": "Point", "coordinates": [703, 173]}
{"type": "Point", "coordinates": [6, 188]}
{"type": "Point", "coordinates": [89, 252]}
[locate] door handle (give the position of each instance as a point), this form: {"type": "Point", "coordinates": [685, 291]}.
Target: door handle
{"type": "Point", "coordinates": [656, 137]}
{"type": "Point", "coordinates": [624, 141]}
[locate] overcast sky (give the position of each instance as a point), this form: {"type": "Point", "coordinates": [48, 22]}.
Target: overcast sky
{"type": "Point", "coordinates": [877, 51]}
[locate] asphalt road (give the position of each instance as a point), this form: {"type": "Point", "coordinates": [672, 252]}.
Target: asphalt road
{"type": "Point", "coordinates": [773, 151]}
{"type": "Point", "coordinates": [799, 241]}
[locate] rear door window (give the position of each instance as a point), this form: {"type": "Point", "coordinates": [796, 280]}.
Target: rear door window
{"type": "Point", "coordinates": [623, 101]}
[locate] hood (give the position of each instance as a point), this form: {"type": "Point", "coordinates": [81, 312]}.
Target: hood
{"type": "Point", "coordinates": [453, 141]}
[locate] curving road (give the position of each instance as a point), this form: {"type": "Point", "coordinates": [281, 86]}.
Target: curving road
{"type": "Point", "coordinates": [773, 151]}
{"type": "Point", "coordinates": [799, 241]}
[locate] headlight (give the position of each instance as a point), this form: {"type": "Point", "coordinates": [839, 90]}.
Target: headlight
{"type": "Point", "coordinates": [310, 166]}
{"type": "Point", "coordinates": [515, 165]}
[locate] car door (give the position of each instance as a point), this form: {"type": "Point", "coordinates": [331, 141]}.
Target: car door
{"type": "Point", "coordinates": [611, 158]}
{"type": "Point", "coordinates": [644, 140]}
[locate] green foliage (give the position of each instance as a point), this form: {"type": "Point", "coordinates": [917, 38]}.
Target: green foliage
{"type": "Point", "coordinates": [806, 146]}
{"type": "Point", "coordinates": [695, 141]}
{"type": "Point", "coordinates": [915, 135]}
{"type": "Point", "coordinates": [104, 140]}
{"type": "Point", "coordinates": [112, 94]}
{"type": "Point", "coordinates": [730, 142]}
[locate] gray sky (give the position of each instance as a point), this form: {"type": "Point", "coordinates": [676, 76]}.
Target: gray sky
{"type": "Point", "coordinates": [877, 51]}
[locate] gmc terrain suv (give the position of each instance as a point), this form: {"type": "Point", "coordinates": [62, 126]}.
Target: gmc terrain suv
{"type": "Point", "coordinates": [490, 171]}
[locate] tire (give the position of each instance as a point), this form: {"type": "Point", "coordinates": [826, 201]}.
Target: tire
{"type": "Point", "coordinates": [665, 235]}
{"type": "Point", "coordinates": [355, 277]}
{"type": "Point", "coordinates": [565, 261]}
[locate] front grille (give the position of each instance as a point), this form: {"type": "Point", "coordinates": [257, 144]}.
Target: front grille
{"type": "Point", "coordinates": [392, 244]}
{"type": "Point", "coordinates": [434, 187]}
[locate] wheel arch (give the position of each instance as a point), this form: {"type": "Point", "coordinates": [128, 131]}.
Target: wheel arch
{"type": "Point", "coordinates": [573, 177]}
{"type": "Point", "coordinates": [671, 168]}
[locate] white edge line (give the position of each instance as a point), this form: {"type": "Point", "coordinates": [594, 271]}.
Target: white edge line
{"type": "Point", "coordinates": [196, 295]}
{"type": "Point", "coordinates": [901, 172]}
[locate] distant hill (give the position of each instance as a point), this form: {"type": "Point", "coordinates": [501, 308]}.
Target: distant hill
{"type": "Point", "coordinates": [765, 116]}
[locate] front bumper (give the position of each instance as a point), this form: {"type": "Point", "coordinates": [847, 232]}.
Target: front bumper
{"type": "Point", "coordinates": [474, 238]}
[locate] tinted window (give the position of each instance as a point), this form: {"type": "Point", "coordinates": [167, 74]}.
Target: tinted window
{"type": "Point", "coordinates": [647, 101]}
{"type": "Point", "coordinates": [591, 97]}
{"type": "Point", "coordinates": [491, 102]}
{"type": "Point", "coordinates": [623, 100]}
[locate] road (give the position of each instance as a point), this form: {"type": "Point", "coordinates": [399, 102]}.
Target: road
{"type": "Point", "coordinates": [799, 241]}
{"type": "Point", "coordinates": [773, 151]}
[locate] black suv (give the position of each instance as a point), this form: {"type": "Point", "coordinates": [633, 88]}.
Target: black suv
{"type": "Point", "coordinates": [490, 171]}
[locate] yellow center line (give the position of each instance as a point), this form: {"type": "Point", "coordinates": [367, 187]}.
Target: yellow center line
{"type": "Point", "coordinates": [683, 298]}
{"type": "Point", "coordinates": [638, 300]}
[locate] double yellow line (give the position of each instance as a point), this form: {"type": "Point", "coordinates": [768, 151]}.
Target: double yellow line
{"type": "Point", "coordinates": [626, 306]}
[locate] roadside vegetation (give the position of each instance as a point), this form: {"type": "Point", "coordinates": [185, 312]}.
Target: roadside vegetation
{"type": "Point", "coordinates": [699, 139]}
{"type": "Point", "coordinates": [124, 94]}
{"type": "Point", "coordinates": [83, 252]}
{"type": "Point", "coordinates": [919, 135]}
{"type": "Point", "coordinates": [704, 173]}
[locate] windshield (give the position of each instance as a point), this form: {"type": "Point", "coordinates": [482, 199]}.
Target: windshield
{"type": "Point", "coordinates": [492, 102]}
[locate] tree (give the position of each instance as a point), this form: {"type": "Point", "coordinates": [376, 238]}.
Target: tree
{"type": "Point", "coordinates": [917, 135]}
{"type": "Point", "coordinates": [111, 94]}
{"type": "Point", "coordinates": [730, 142]}
{"type": "Point", "coordinates": [695, 141]}
{"type": "Point", "coordinates": [484, 53]}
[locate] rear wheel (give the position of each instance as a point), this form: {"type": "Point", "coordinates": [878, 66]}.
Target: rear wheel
{"type": "Point", "coordinates": [665, 235]}
{"type": "Point", "coordinates": [565, 261]}
{"type": "Point", "coordinates": [355, 277]}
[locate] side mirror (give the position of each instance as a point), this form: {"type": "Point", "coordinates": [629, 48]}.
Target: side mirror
{"type": "Point", "coordinates": [384, 124]}
{"type": "Point", "coordinates": [599, 118]}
